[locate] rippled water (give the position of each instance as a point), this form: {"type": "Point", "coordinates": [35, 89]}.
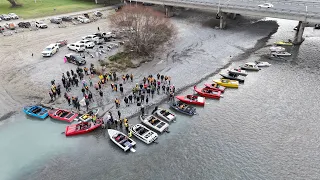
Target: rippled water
{"type": "Point", "coordinates": [266, 129]}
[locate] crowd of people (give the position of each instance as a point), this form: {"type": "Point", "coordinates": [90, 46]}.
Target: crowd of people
{"type": "Point", "coordinates": [92, 86]}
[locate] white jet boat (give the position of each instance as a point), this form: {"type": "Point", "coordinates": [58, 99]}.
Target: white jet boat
{"type": "Point", "coordinates": [263, 64]}
{"type": "Point", "coordinates": [143, 133]}
{"type": "Point", "coordinates": [122, 140]}
{"type": "Point", "coordinates": [165, 115]}
{"type": "Point", "coordinates": [238, 72]}
{"type": "Point", "coordinates": [250, 66]}
{"type": "Point", "coordinates": [281, 54]}
{"type": "Point", "coordinates": [277, 49]}
{"type": "Point", "coordinates": [154, 122]}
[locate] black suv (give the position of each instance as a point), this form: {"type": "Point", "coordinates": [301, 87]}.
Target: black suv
{"type": "Point", "coordinates": [75, 59]}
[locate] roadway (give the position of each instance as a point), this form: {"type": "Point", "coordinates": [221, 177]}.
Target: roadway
{"type": "Point", "coordinates": [286, 9]}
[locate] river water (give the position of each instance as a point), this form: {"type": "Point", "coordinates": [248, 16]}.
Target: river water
{"type": "Point", "coordinates": [266, 129]}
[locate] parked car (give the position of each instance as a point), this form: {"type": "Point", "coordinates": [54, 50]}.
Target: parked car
{"type": "Point", "coordinates": [97, 13]}
{"type": "Point", "coordinates": [66, 18]}
{"type": "Point", "coordinates": [24, 24]}
{"type": "Point", "coordinates": [5, 17]}
{"type": "Point", "coordinates": [317, 26]}
{"type": "Point", "coordinates": [92, 38]}
{"type": "Point", "coordinates": [62, 43]}
{"type": "Point", "coordinates": [1, 29]}
{"type": "Point", "coordinates": [40, 24]}
{"type": "Point", "coordinates": [75, 59]}
{"type": "Point", "coordinates": [56, 20]}
{"type": "Point", "coordinates": [0, 19]}
{"type": "Point", "coordinates": [13, 16]}
{"type": "Point", "coordinates": [87, 43]}
{"type": "Point", "coordinates": [50, 50]}
{"type": "Point", "coordinates": [266, 5]}
{"type": "Point", "coordinates": [76, 47]}
{"type": "Point", "coordinates": [86, 15]}
{"type": "Point", "coordinates": [10, 26]}
{"type": "Point", "coordinates": [112, 45]}
{"type": "Point", "coordinates": [83, 19]}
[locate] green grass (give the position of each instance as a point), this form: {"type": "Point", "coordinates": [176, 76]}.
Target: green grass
{"type": "Point", "coordinates": [41, 8]}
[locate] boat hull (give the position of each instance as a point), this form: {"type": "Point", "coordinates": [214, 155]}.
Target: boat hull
{"type": "Point", "coordinates": [66, 115]}
{"type": "Point", "coordinates": [236, 77]}
{"type": "Point", "coordinates": [215, 86]}
{"type": "Point", "coordinates": [207, 92]}
{"type": "Point", "coordinates": [71, 130]}
{"type": "Point", "coordinates": [124, 145]}
{"type": "Point", "coordinates": [238, 72]}
{"type": "Point", "coordinates": [189, 112]}
{"type": "Point", "coordinates": [159, 126]}
{"type": "Point", "coordinates": [147, 137]}
{"type": "Point", "coordinates": [197, 100]}
{"type": "Point", "coordinates": [36, 111]}
{"type": "Point", "coordinates": [165, 115]}
{"type": "Point", "coordinates": [229, 83]}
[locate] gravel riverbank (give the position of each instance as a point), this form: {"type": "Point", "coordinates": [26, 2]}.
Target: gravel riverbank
{"type": "Point", "coordinates": [198, 51]}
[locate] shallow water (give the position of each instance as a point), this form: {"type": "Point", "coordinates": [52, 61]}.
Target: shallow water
{"type": "Point", "coordinates": [266, 129]}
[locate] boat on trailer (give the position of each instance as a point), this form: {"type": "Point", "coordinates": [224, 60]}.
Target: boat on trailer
{"type": "Point", "coordinates": [122, 140]}
{"type": "Point", "coordinates": [154, 123]}
{"type": "Point", "coordinates": [36, 111]}
{"type": "Point", "coordinates": [192, 99]}
{"type": "Point", "coordinates": [62, 115]}
{"type": "Point", "coordinates": [143, 133]}
{"type": "Point", "coordinates": [165, 115]}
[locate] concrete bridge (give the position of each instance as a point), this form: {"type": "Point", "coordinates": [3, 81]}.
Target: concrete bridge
{"type": "Point", "coordinates": [301, 10]}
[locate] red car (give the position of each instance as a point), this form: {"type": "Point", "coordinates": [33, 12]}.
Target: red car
{"type": "Point", "coordinates": [207, 92]}
{"type": "Point", "coordinates": [214, 86]}
{"type": "Point", "coordinates": [62, 115]}
{"type": "Point", "coordinates": [82, 127]}
{"type": "Point", "coordinates": [191, 99]}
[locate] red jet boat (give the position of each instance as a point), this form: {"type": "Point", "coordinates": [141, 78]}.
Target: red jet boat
{"type": "Point", "coordinates": [207, 92]}
{"type": "Point", "coordinates": [215, 87]}
{"type": "Point", "coordinates": [62, 115]}
{"type": "Point", "coordinates": [191, 99]}
{"type": "Point", "coordinates": [82, 127]}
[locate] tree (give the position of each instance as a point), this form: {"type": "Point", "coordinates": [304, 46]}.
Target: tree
{"type": "Point", "coordinates": [14, 3]}
{"type": "Point", "coordinates": [145, 28]}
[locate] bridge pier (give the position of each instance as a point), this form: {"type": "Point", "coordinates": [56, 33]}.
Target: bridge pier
{"type": "Point", "coordinates": [299, 34]}
{"type": "Point", "coordinates": [223, 20]}
{"type": "Point", "coordinates": [169, 11]}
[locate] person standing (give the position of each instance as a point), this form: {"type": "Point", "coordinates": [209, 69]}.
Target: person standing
{"type": "Point", "coordinates": [98, 28]}
{"type": "Point", "coordinates": [142, 110]}
{"type": "Point", "coordinates": [147, 100]}
{"type": "Point", "coordinates": [126, 101]}
{"type": "Point", "coordinates": [126, 125]}
{"type": "Point", "coordinates": [130, 98]}
{"type": "Point", "coordinates": [120, 123]}
{"type": "Point", "coordinates": [121, 89]}
{"type": "Point", "coordinates": [119, 114]}
{"type": "Point", "coordinates": [131, 77]}
{"type": "Point", "coordinates": [51, 96]}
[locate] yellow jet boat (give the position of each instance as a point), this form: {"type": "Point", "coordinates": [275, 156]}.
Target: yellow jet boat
{"type": "Point", "coordinates": [227, 83]}
{"type": "Point", "coordinates": [284, 43]}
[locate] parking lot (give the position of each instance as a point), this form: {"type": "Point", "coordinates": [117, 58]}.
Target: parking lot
{"type": "Point", "coordinates": [26, 75]}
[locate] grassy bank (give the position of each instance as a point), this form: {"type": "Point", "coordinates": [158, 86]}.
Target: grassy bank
{"type": "Point", "coordinates": [41, 8]}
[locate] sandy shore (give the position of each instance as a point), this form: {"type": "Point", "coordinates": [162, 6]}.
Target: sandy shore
{"type": "Point", "coordinates": [26, 79]}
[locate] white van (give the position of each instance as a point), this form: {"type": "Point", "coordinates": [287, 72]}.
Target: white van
{"type": "Point", "coordinates": [79, 47]}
